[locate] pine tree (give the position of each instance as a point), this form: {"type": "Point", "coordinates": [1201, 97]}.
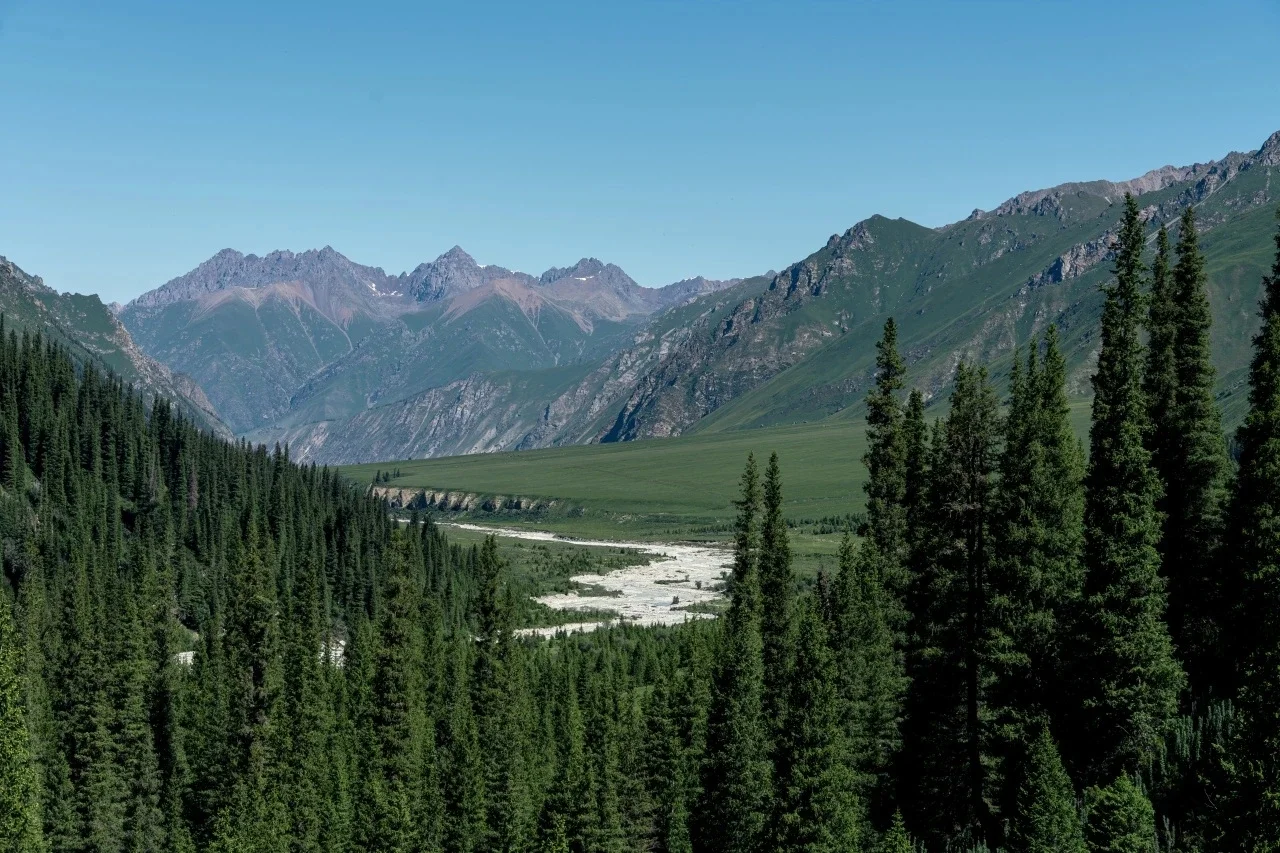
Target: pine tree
{"type": "Point", "coordinates": [603, 766]}
{"type": "Point", "coordinates": [1253, 819]}
{"type": "Point", "coordinates": [868, 668]}
{"type": "Point", "coordinates": [896, 839]}
{"type": "Point", "coordinates": [458, 753]}
{"type": "Point", "coordinates": [1160, 373]}
{"type": "Point", "coordinates": [1037, 533]}
{"type": "Point", "coordinates": [400, 727]}
{"type": "Point", "coordinates": [776, 582]}
{"type": "Point", "coordinates": [817, 808]}
{"type": "Point", "coordinates": [1119, 819]}
{"type": "Point", "coordinates": [306, 733]}
{"type": "Point", "coordinates": [497, 697]}
{"type": "Point", "coordinates": [916, 450]}
{"type": "Point", "coordinates": [1046, 820]}
{"type": "Point", "coordinates": [568, 818]}
{"type": "Point", "coordinates": [737, 780]}
{"type": "Point", "coordinates": [665, 773]}
{"type": "Point", "coordinates": [508, 791]}
{"type": "Point", "coordinates": [1194, 480]}
{"type": "Point", "coordinates": [1128, 679]}
{"type": "Point", "coordinates": [254, 818]}
{"type": "Point", "coordinates": [134, 677]}
{"type": "Point", "coordinates": [690, 699]}
{"type": "Point", "coordinates": [885, 526]}
{"type": "Point", "coordinates": [20, 819]}
{"type": "Point", "coordinates": [944, 769]}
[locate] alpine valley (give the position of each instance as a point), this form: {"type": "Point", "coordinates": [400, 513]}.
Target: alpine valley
{"type": "Point", "coordinates": [346, 363]}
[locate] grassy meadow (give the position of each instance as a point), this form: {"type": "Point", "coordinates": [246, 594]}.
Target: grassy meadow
{"type": "Point", "coordinates": [665, 489]}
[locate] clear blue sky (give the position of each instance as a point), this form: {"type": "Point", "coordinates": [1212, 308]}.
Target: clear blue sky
{"type": "Point", "coordinates": [672, 138]}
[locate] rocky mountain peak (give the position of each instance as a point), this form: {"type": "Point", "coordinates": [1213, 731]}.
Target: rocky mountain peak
{"type": "Point", "coordinates": [225, 256]}
{"type": "Point", "coordinates": [326, 269]}
{"type": "Point", "coordinates": [9, 271]}
{"type": "Point", "coordinates": [585, 268]}
{"type": "Point", "coordinates": [1269, 153]}
{"type": "Point", "coordinates": [594, 272]}
{"type": "Point", "coordinates": [857, 238]}
{"type": "Point", "coordinates": [457, 255]}
{"type": "Point", "coordinates": [691, 288]}
{"type": "Point", "coordinates": [453, 273]}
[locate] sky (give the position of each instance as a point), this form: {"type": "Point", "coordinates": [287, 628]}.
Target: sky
{"type": "Point", "coordinates": [674, 139]}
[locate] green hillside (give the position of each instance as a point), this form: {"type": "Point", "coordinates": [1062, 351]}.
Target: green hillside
{"type": "Point", "coordinates": [802, 350]}
{"type": "Point", "coordinates": [937, 327]}
{"type": "Point", "coordinates": [91, 334]}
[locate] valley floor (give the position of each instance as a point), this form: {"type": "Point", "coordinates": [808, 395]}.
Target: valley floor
{"type": "Point", "coordinates": [635, 494]}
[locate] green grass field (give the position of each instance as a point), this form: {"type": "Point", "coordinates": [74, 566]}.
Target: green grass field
{"type": "Point", "coordinates": [666, 489]}
{"type": "Point", "coordinates": [660, 483]}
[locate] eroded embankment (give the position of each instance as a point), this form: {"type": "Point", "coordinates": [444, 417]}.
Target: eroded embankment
{"type": "Point", "coordinates": [458, 501]}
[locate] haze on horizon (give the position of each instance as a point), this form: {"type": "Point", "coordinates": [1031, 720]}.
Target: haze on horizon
{"type": "Point", "coordinates": [671, 139]}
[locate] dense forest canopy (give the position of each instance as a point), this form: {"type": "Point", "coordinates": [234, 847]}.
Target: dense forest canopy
{"type": "Point", "coordinates": [1029, 645]}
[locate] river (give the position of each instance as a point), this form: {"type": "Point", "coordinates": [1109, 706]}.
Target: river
{"type": "Point", "coordinates": [656, 594]}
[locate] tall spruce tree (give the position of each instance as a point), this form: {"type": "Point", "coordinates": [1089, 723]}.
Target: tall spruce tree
{"type": "Point", "coordinates": [1037, 534]}
{"type": "Point", "coordinates": [776, 581]}
{"type": "Point", "coordinates": [1160, 373]}
{"type": "Point", "coordinates": [885, 527]}
{"type": "Point", "coordinates": [458, 758]}
{"type": "Point", "coordinates": [603, 765]}
{"type": "Point", "coordinates": [817, 807]}
{"type": "Point", "coordinates": [737, 777]}
{"type": "Point", "coordinates": [498, 699]}
{"type": "Point", "coordinates": [1127, 678]}
{"type": "Point", "coordinates": [568, 817]}
{"type": "Point", "coordinates": [1252, 821]}
{"type": "Point", "coordinates": [1194, 479]}
{"type": "Point", "coordinates": [916, 454]}
{"type": "Point", "coordinates": [666, 774]}
{"type": "Point", "coordinates": [400, 797]}
{"type": "Point", "coordinates": [134, 676]}
{"type": "Point", "coordinates": [869, 670]}
{"type": "Point", "coordinates": [944, 774]}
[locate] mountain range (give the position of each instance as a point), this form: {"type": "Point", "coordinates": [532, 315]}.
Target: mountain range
{"type": "Point", "coordinates": [288, 339]}
{"type": "Point", "coordinates": [347, 363]}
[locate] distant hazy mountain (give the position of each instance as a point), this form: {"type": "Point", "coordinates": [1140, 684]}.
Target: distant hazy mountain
{"type": "Point", "coordinates": [290, 338]}
{"type": "Point", "coordinates": [799, 345]}
{"type": "Point", "coordinates": [93, 335]}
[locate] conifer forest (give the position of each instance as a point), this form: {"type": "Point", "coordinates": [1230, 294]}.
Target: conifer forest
{"type": "Point", "coordinates": [1031, 643]}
